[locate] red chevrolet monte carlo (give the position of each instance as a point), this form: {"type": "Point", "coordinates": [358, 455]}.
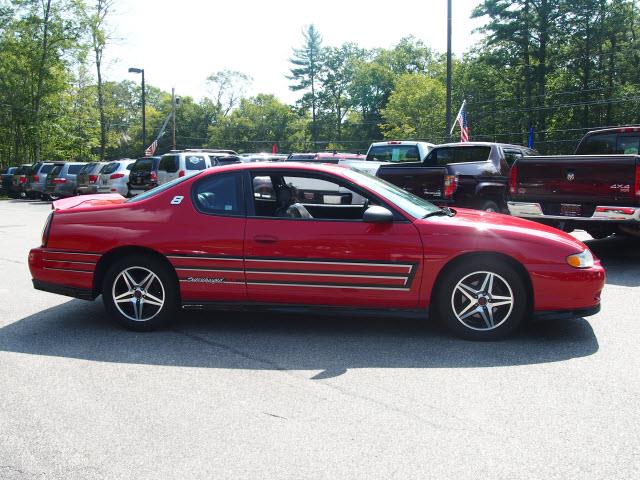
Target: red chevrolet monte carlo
{"type": "Point", "coordinates": [321, 236]}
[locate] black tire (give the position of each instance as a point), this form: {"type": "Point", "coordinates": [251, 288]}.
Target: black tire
{"type": "Point", "coordinates": [486, 323]}
{"type": "Point", "coordinates": [162, 287]}
{"type": "Point", "coordinates": [488, 206]}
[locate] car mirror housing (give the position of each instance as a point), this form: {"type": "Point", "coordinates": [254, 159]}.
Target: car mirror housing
{"type": "Point", "coordinates": [376, 214]}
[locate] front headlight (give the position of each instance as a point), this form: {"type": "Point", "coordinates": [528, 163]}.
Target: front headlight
{"type": "Point", "coordinates": [581, 260]}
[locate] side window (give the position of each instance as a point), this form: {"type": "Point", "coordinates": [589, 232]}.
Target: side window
{"type": "Point", "coordinates": [511, 156]}
{"type": "Point", "coordinates": [130, 166]}
{"type": "Point", "coordinates": [599, 144]}
{"type": "Point", "coordinates": [219, 195]}
{"type": "Point", "coordinates": [195, 162]}
{"type": "Point", "coordinates": [169, 164]}
{"type": "Point", "coordinates": [306, 197]}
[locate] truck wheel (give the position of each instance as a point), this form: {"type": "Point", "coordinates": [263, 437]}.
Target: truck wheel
{"type": "Point", "coordinates": [481, 300]}
{"type": "Point", "coordinates": [140, 293]}
{"type": "Point", "coordinates": [488, 206]}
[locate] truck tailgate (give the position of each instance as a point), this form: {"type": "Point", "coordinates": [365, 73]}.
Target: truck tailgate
{"type": "Point", "coordinates": [425, 182]}
{"type": "Point", "coordinates": [576, 179]}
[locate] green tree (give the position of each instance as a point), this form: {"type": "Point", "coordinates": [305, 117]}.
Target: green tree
{"type": "Point", "coordinates": [308, 62]}
{"type": "Point", "coordinates": [415, 108]}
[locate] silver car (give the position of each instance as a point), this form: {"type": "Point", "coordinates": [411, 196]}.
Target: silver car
{"type": "Point", "coordinates": [88, 178]}
{"type": "Point", "coordinates": [114, 177]}
{"type": "Point", "coordinates": [36, 182]}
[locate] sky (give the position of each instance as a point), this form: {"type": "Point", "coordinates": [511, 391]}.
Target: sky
{"type": "Point", "coordinates": [180, 43]}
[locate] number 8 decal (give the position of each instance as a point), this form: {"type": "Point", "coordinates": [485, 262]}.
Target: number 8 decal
{"type": "Point", "coordinates": [177, 200]}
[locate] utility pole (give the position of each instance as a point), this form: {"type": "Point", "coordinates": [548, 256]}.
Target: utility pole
{"type": "Point", "coordinates": [173, 117]}
{"type": "Point", "coordinates": [448, 115]}
{"type": "Point", "coordinates": [144, 117]}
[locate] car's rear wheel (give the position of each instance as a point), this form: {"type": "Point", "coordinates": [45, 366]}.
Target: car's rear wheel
{"type": "Point", "coordinates": [488, 206]}
{"type": "Point", "coordinates": [482, 299]}
{"type": "Point", "coordinates": [140, 293]}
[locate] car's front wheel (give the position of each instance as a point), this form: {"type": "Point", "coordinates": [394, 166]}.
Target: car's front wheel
{"type": "Point", "coordinates": [140, 293]}
{"type": "Point", "coordinates": [482, 300]}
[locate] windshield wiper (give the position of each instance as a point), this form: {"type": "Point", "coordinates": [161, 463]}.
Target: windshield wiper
{"type": "Point", "coordinates": [443, 211]}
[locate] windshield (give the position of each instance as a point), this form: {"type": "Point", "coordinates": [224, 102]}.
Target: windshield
{"type": "Point", "coordinates": [409, 203]}
{"type": "Point", "coordinates": [143, 165]}
{"type": "Point", "coordinates": [165, 186]}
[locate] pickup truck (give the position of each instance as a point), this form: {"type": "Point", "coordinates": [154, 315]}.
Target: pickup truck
{"type": "Point", "coordinates": [597, 189]}
{"type": "Point", "coordinates": [470, 174]}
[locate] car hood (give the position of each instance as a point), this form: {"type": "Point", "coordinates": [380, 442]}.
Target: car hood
{"type": "Point", "coordinates": [497, 225]}
{"type": "Point", "coordinates": [88, 201]}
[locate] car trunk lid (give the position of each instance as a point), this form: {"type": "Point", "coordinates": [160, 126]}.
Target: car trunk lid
{"type": "Point", "coordinates": [84, 201]}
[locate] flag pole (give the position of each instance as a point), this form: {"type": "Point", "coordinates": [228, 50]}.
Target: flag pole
{"type": "Point", "coordinates": [455, 122]}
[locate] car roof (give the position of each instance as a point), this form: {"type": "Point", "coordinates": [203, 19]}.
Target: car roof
{"type": "Point", "coordinates": [302, 166]}
{"type": "Point", "coordinates": [401, 142]}
{"type": "Point", "coordinates": [621, 129]}
{"type": "Point", "coordinates": [479, 144]}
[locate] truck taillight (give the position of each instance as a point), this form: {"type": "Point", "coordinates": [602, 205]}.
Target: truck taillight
{"type": "Point", "coordinates": [154, 176]}
{"type": "Point", "coordinates": [637, 189]}
{"type": "Point", "coordinates": [513, 178]}
{"type": "Point", "coordinates": [23, 179]}
{"type": "Point", "coordinates": [36, 178]}
{"type": "Point", "coordinates": [93, 178]}
{"type": "Point", "coordinates": [58, 181]}
{"type": "Point", "coordinates": [181, 173]}
{"type": "Point", "coordinates": [114, 176]}
{"type": "Point", "coordinates": [450, 185]}
{"type": "Point", "coordinates": [47, 229]}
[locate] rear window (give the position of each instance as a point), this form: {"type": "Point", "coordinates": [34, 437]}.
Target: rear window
{"type": "Point", "coordinates": [74, 169]}
{"type": "Point", "coordinates": [446, 155]}
{"type": "Point", "coordinates": [627, 144]}
{"type": "Point", "coordinates": [110, 168]}
{"type": "Point", "coordinates": [394, 153]}
{"type": "Point", "coordinates": [301, 157]}
{"type": "Point", "coordinates": [195, 162]}
{"type": "Point", "coordinates": [87, 168]}
{"type": "Point", "coordinates": [46, 168]}
{"type": "Point", "coordinates": [142, 165]}
{"type": "Point", "coordinates": [610, 144]}
{"type": "Point", "coordinates": [169, 164]}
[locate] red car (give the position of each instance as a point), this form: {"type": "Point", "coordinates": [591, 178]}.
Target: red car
{"type": "Point", "coordinates": [329, 237]}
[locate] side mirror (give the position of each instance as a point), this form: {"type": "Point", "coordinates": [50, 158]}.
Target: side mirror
{"type": "Point", "coordinates": [376, 214]}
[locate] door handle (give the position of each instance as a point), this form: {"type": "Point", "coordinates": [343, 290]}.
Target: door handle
{"type": "Point", "coordinates": [265, 239]}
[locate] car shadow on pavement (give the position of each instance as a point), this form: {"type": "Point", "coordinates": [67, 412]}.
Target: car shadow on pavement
{"type": "Point", "coordinates": [287, 342]}
{"type": "Point", "coordinates": [620, 257]}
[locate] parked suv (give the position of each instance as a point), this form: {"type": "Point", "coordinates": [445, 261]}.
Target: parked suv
{"type": "Point", "coordinates": [144, 175]}
{"type": "Point", "coordinates": [37, 178]}
{"type": "Point", "coordinates": [6, 175]}
{"type": "Point", "coordinates": [114, 177]}
{"type": "Point", "coordinates": [61, 180]}
{"type": "Point", "coordinates": [88, 178]}
{"type": "Point", "coordinates": [19, 181]}
{"type": "Point", "coordinates": [177, 164]}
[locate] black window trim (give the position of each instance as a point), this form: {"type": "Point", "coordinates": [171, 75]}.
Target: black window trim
{"type": "Point", "coordinates": [398, 215]}
{"type": "Point", "coordinates": [243, 200]}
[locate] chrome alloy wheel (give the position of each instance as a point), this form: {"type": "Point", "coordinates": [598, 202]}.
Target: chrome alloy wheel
{"type": "Point", "coordinates": [138, 294]}
{"type": "Point", "coordinates": [482, 301]}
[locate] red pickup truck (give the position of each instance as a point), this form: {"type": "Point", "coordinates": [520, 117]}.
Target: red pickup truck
{"type": "Point", "coordinates": [597, 189]}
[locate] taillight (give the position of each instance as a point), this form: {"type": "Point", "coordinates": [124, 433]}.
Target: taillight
{"type": "Point", "coordinates": [113, 176]}
{"type": "Point", "coordinates": [36, 178]}
{"type": "Point", "coordinates": [59, 180]}
{"type": "Point", "coordinates": [154, 176]}
{"type": "Point", "coordinates": [47, 229]}
{"type": "Point", "coordinates": [181, 173]}
{"type": "Point", "coordinates": [93, 178]}
{"type": "Point", "coordinates": [450, 185]}
{"type": "Point", "coordinates": [637, 180]}
{"type": "Point", "coordinates": [513, 178]}
{"type": "Point", "coordinates": [23, 179]}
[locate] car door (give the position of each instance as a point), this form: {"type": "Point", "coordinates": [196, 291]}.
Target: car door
{"type": "Point", "coordinates": [333, 257]}
{"type": "Point", "coordinates": [209, 260]}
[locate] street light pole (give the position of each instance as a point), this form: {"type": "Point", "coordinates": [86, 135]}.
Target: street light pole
{"type": "Point", "coordinates": [144, 117]}
{"type": "Point", "coordinates": [448, 114]}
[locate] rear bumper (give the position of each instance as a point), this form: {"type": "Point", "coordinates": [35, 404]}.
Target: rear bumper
{"type": "Point", "coordinates": [602, 213]}
{"type": "Point", "coordinates": [68, 291]}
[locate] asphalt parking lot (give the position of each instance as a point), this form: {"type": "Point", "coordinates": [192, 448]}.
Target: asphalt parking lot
{"type": "Point", "coordinates": [286, 396]}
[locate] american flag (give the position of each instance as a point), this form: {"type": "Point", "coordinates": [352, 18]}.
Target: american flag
{"type": "Point", "coordinates": [151, 149]}
{"type": "Point", "coordinates": [462, 120]}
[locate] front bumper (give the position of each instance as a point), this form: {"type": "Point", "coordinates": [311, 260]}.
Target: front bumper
{"type": "Point", "coordinates": [602, 213]}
